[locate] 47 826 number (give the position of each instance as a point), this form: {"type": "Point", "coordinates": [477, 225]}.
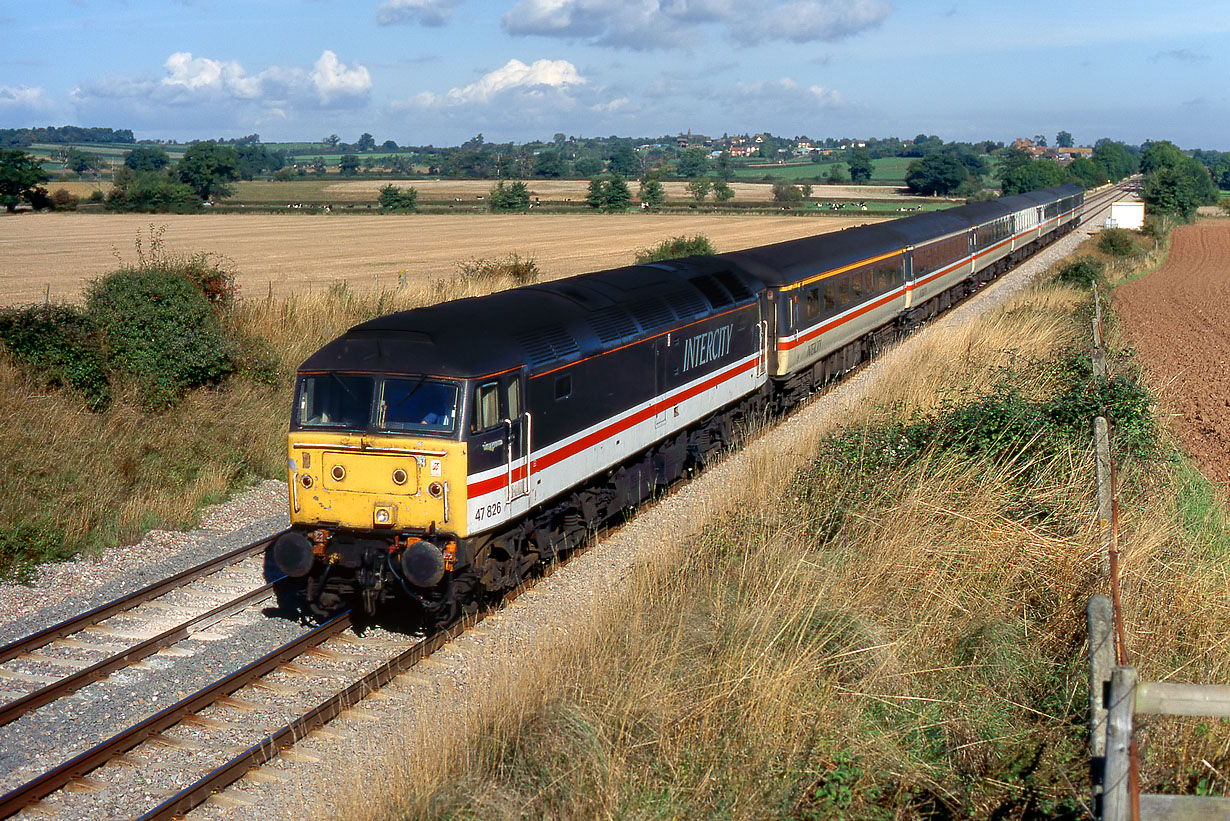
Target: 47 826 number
{"type": "Point", "coordinates": [492, 509]}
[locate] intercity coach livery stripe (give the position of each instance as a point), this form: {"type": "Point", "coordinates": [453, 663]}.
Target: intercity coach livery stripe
{"type": "Point", "coordinates": [438, 455]}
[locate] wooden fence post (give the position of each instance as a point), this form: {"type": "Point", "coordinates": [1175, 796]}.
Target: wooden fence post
{"type": "Point", "coordinates": [1101, 662]}
{"type": "Point", "coordinates": [1117, 787]}
{"type": "Point", "coordinates": [1101, 442]}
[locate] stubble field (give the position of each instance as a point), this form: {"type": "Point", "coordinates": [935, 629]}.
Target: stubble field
{"type": "Point", "coordinates": [58, 254]}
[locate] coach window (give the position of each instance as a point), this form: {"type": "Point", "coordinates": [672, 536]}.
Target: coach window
{"type": "Point", "coordinates": [843, 291]}
{"type": "Point", "coordinates": [487, 406]}
{"type": "Point", "coordinates": [830, 296]}
{"type": "Point", "coordinates": [813, 303]}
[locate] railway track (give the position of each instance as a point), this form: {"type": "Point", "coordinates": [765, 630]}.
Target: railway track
{"type": "Point", "coordinates": [207, 724]}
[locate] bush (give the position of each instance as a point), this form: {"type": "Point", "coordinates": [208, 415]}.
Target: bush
{"type": "Point", "coordinates": [515, 197]}
{"type": "Point", "coordinates": [1085, 271]}
{"type": "Point", "coordinates": [393, 198]}
{"type": "Point", "coordinates": [1117, 242]}
{"type": "Point", "coordinates": [160, 331]}
{"type": "Point", "coordinates": [490, 271]}
{"type": "Point", "coordinates": [64, 201]}
{"type": "Point", "coordinates": [60, 347]}
{"type": "Point", "coordinates": [676, 247]}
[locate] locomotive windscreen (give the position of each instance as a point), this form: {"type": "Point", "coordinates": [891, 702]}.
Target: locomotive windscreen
{"type": "Point", "coordinates": [360, 402]}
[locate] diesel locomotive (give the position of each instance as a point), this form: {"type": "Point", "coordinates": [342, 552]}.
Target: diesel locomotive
{"type": "Point", "coordinates": [438, 455]}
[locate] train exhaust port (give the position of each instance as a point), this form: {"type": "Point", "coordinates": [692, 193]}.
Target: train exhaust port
{"type": "Point", "coordinates": [292, 553]}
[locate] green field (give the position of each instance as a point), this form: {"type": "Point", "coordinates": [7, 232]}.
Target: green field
{"type": "Point", "coordinates": [885, 171]}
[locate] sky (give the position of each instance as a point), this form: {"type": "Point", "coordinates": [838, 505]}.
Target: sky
{"type": "Point", "coordinates": [438, 72]}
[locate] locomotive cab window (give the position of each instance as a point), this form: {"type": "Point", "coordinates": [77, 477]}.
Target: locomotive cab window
{"type": "Point", "coordinates": [418, 404]}
{"type": "Point", "coordinates": [335, 400]}
{"type": "Point", "coordinates": [487, 406]}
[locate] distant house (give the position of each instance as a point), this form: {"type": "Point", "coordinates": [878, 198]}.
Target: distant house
{"type": "Point", "coordinates": [1029, 146]}
{"type": "Point", "coordinates": [1073, 153]}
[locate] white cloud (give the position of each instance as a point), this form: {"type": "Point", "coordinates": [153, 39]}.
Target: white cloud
{"type": "Point", "coordinates": [806, 21]}
{"type": "Point", "coordinates": [613, 106]}
{"type": "Point", "coordinates": [653, 24]}
{"type": "Point", "coordinates": [424, 12]}
{"type": "Point", "coordinates": [201, 74]}
{"type": "Point", "coordinates": [787, 91]}
{"type": "Point", "coordinates": [31, 96]}
{"type": "Point", "coordinates": [515, 76]}
{"type": "Point", "coordinates": [333, 79]}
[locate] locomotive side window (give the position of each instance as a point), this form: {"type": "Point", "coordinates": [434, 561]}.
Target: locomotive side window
{"type": "Point", "coordinates": [563, 387]}
{"type": "Point", "coordinates": [487, 406]}
{"type": "Point", "coordinates": [335, 401]}
{"type": "Point", "coordinates": [514, 397]}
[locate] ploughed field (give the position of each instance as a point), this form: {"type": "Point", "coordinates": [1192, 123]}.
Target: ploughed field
{"type": "Point", "coordinates": [1178, 319]}
{"type": "Point", "coordinates": [298, 252]}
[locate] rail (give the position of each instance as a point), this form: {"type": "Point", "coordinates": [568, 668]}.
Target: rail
{"type": "Point", "coordinates": [1116, 696]}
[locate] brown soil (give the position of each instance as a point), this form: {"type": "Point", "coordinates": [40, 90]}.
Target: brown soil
{"type": "Point", "coordinates": [1178, 318]}
{"type": "Point", "coordinates": [60, 252]}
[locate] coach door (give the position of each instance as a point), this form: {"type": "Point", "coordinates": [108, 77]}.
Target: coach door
{"type": "Point", "coordinates": [518, 433]}
{"type": "Point", "coordinates": [659, 381]}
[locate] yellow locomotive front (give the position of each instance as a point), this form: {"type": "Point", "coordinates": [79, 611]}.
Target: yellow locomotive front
{"type": "Point", "coordinates": [376, 468]}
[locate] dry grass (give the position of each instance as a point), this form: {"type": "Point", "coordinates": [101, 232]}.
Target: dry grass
{"type": "Point", "coordinates": [864, 637]}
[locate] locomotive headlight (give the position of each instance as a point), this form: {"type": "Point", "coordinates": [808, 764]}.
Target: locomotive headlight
{"type": "Point", "coordinates": [382, 515]}
{"type": "Point", "coordinates": [399, 477]}
{"type": "Point", "coordinates": [338, 472]}
{"type": "Point", "coordinates": [436, 490]}
{"type": "Point", "coordinates": [306, 480]}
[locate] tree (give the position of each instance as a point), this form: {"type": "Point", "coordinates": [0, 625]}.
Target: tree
{"type": "Point", "coordinates": [78, 161]}
{"type": "Point", "coordinates": [935, 174]}
{"type": "Point", "coordinates": [366, 142]}
{"type": "Point", "coordinates": [693, 162]}
{"type": "Point", "coordinates": [618, 197]}
{"type": "Point", "coordinates": [861, 167]}
{"type": "Point", "coordinates": [722, 192]}
{"type": "Point", "coordinates": [1032, 176]}
{"type": "Point", "coordinates": [515, 197]}
{"type": "Point", "coordinates": [388, 145]}
{"type": "Point", "coordinates": [1040, 139]}
{"type": "Point", "coordinates": [21, 178]}
{"type": "Point", "coordinates": [348, 165]}
{"type": "Point", "coordinates": [393, 198]}
{"type": "Point", "coordinates": [1178, 189]}
{"type": "Point", "coordinates": [835, 175]}
{"type": "Point", "coordinates": [319, 168]}
{"type": "Point", "coordinates": [651, 193]}
{"type": "Point", "coordinates": [725, 170]}
{"type": "Point", "coordinates": [151, 191]}
{"type": "Point", "coordinates": [610, 194]}
{"type": "Point", "coordinates": [1157, 154]}
{"type": "Point", "coordinates": [699, 188]}
{"type": "Point", "coordinates": [588, 167]}
{"type": "Point", "coordinates": [624, 161]}
{"type": "Point", "coordinates": [1064, 140]}
{"type": "Point", "coordinates": [147, 158]}
{"type": "Point", "coordinates": [207, 168]}
{"type": "Point", "coordinates": [549, 164]}
{"type": "Point", "coordinates": [1114, 159]}
{"type": "Point", "coordinates": [786, 194]}
{"type": "Point", "coordinates": [332, 140]}
{"type": "Point", "coordinates": [1087, 172]}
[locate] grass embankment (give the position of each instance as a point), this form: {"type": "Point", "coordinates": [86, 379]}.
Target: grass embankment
{"type": "Point", "coordinates": [893, 627]}
{"type": "Point", "coordinates": [76, 479]}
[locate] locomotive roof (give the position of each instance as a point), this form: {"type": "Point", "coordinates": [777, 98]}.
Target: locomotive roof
{"type": "Point", "coordinates": [544, 324]}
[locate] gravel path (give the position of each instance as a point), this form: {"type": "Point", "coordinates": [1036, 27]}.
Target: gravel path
{"type": "Point", "coordinates": [445, 692]}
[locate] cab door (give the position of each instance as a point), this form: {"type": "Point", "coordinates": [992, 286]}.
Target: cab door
{"type": "Point", "coordinates": [518, 432]}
